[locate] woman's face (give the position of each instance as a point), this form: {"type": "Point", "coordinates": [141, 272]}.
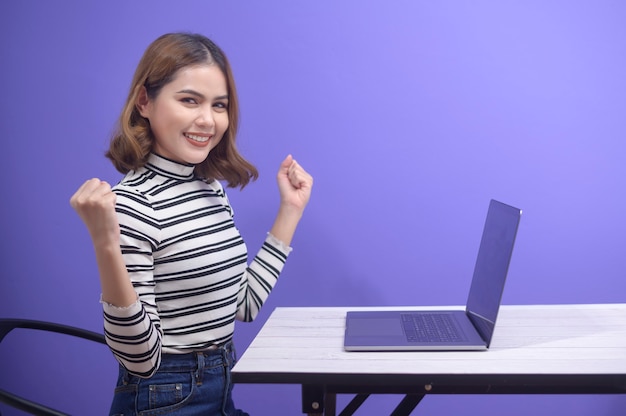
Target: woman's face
{"type": "Point", "coordinates": [189, 115]}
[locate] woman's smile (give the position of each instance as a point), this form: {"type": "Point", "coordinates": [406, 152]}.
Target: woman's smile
{"type": "Point", "coordinates": [198, 139]}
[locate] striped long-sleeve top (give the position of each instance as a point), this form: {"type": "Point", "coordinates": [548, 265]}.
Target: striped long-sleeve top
{"type": "Point", "coordinates": [188, 264]}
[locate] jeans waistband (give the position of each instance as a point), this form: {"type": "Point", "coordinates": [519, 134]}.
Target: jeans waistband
{"type": "Point", "coordinates": [189, 361]}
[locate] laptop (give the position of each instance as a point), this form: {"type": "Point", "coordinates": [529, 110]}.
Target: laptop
{"type": "Point", "coordinates": [447, 330]}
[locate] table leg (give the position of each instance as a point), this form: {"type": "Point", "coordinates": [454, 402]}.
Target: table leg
{"type": "Point", "coordinates": [316, 401]}
{"type": "Point", "coordinates": [406, 406]}
{"type": "Point", "coordinates": [313, 400]}
{"type": "Point", "coordinates": [330, 404]}
{"type": "Point", "coordinates": [354, 405]}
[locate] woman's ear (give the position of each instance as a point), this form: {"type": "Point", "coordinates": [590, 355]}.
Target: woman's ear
{"type": "Point", "coordinates": [143, 103]}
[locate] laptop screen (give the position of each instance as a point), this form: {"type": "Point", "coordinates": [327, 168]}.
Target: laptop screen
{"type": "Point", "coordinates": [492, 264]}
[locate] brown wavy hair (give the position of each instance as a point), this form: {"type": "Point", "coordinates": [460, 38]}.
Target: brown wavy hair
{"type": "Point", "coordinates": [133, 141]}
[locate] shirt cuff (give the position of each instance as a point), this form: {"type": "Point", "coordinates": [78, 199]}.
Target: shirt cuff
{"type": "Point", "coordinates": [278, 243]}
{"type": "Point", "coordinates": [110, 306]}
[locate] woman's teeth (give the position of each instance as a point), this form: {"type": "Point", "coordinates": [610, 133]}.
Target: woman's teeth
{"type": "Point", "coordinates": [196, 138]}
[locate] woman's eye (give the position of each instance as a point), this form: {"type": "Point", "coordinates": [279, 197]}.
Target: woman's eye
{"type": "Point", "coordinates": [189, 100]}
{"type": "Point", "coordinates": [221, 106]}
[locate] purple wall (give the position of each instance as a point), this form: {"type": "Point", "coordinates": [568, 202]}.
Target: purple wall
{"type": "Point", "coordinates": [410, 115]}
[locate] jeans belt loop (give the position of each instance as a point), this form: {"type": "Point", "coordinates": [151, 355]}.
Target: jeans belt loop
{"type": "Point", "coordinates": [200, 368]}
{"type": "Point", "coordinates": [125, 377]}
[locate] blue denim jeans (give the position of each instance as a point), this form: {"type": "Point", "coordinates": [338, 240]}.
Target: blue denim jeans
{"type": "Point", "coordinates": [197, 383]}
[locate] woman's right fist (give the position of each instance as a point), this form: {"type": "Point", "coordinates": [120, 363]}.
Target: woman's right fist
{"type": "Point", "coordinates": [94, 202]}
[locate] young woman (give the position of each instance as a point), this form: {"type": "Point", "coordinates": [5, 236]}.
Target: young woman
{"type": "Point", "coordinates": [173, 267]}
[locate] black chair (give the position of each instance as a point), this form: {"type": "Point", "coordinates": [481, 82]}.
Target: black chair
{"type": "Point", "coordinates": [21, 403]}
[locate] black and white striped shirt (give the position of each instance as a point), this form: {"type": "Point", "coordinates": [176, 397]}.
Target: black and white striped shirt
{"type": "Point", "coordinates": [188, 264]}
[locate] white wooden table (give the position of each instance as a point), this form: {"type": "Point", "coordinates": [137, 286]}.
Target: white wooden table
{"type": "Point", "coordinates": [576, 349]}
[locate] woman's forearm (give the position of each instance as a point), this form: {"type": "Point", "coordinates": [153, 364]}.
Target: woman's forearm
{"type": "Point", "coordinates": [116, 286]}
{"type": "Point", "coordinates": [285, 224]}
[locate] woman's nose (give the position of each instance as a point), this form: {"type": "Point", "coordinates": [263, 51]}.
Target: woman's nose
{"type": "Point", "coordinates": [205, 118]}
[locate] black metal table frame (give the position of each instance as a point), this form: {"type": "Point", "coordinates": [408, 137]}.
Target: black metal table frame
{"type": "Point", "coordinates": [319, 391]}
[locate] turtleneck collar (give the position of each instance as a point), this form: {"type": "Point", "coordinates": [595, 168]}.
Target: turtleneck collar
{"type": "Point", "coordinates": [168, 167]}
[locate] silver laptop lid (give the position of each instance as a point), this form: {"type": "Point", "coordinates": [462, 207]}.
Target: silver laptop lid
{"type": "Point", "coordinates": [492, 265]}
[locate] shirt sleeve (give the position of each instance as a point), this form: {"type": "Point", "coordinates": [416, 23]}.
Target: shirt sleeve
{"type": "Point", "coordinates": [260, 277]}
{"type": "Point", "coordinates": [134, 333]}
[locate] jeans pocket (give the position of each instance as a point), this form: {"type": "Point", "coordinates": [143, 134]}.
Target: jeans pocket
{"type": "Point", "coordinates": [165, 392]}
{"type": "Point", "coordinates": [160, 395]}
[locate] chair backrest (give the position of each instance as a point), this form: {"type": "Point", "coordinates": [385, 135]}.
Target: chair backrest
{"type": "Point", "coordinates": [6, 326]}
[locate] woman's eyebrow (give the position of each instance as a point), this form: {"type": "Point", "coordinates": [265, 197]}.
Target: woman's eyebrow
{"type": "Point", "coordinates": [191, 92]}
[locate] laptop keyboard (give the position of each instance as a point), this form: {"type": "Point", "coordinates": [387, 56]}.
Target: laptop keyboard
{"type": "Point", "coordinates": [435, 327]}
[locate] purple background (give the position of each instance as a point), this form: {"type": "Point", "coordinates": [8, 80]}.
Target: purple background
{"type": "Point", "coordinates": [410, 115]}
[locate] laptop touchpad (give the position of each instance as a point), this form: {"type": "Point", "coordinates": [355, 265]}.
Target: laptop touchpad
{"type": "Point", "coordinates": [375, 327]}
